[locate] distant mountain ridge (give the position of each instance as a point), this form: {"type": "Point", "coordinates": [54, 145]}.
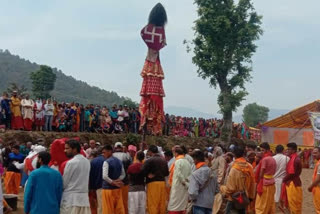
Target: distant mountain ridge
{"type": "Point", "coordinates": [67, 89]}
{"type": "Point", "coordinates": [189, 112]}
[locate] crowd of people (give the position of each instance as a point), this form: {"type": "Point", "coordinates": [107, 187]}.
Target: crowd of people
{"type": "Point", "coordinates": [23, 113]}
{"type": "Point", "coordinates": [119, 179]}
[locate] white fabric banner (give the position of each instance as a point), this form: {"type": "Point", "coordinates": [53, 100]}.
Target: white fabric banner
{"type": "Point", "coordinates": [315, 121]}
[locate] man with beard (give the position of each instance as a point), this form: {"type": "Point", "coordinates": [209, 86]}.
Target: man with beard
{"type": "Point", "coordinates": [75, 198]}
{"type": "Point", "coordinates": [44, 188]}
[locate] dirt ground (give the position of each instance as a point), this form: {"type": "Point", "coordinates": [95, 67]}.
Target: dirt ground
{"type": "Point", "coordinates": [306, 178]}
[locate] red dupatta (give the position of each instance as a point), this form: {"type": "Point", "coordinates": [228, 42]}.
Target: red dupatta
{"type": "Point", "coordinates": [290, 166]}
{"type": "Point", "coordinates": [290, 170]}
{"type": "Point", "coordinates": [258, 180]}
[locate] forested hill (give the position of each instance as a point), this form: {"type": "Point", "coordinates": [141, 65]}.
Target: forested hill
{"type": "Point", "coordinates": [14, 69]}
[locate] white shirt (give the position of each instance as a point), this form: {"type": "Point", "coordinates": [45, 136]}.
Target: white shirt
{"type": "Point", "coordinates": [48, 109]}
{"type": "Point", "coordinates": [76, 182]}
{"type": "Point", "coordinates": [120, 115]}
{"type": "Point", "coordinates": [281, 161]}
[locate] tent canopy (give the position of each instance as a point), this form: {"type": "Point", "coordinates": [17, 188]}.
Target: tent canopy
{"type": "Point", "coordinates": [297, 118]}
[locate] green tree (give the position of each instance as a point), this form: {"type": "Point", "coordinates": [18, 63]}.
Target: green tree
{"type": "Point", "coordinates": [253, 114]}
{"type": "Point", "coordinates": [21, 91]}
{"type": "Point", "coordinates": [130, 103]}
{"type": "Point", "coordinates": [43, 81]}
{"type": "Point", "coordinates": [223, 46]}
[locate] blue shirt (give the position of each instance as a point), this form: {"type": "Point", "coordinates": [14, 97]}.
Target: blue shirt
{"type": "Point", "coordinates": [43, 191]}
{"type": "Point", "coordinates": [16, 157]}
{"type": "Point", "coordinates": [95, 179]}
{"type": "Point", "coordinates": [113, 114]}
{"type": "Point", "coordinates": [5, 105]}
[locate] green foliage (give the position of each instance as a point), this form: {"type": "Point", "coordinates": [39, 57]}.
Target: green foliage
{"type": "Point", "coordinates": [67, 89]}
{"type": "Point", "coordinates": [130, 103]}
{"type": "Point", "coordinates": [253, 114]}
{"type": "Point", "coordinates": [132, 139]}
{"type": "Point", "coordinates": [225, 33]}
{"type": "Point", "coordinates": [43, 81]}
{"type": "Point", "coordinates": [21, 91]}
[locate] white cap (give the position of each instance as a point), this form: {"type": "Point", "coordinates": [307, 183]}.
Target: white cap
{"type": "Point", "coordinates": [39, 149]}
{"type": "Point", "coordinates": [118, 144]}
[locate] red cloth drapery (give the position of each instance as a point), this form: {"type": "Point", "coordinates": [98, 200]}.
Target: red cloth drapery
{"type": "Point", "coordinates": [152, 92]}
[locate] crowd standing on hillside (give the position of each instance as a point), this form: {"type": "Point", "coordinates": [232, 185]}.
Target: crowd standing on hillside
{"type": "Point", "coordinates": [145, 179]}
{"type": "Point", "coordinates": [46, 115]}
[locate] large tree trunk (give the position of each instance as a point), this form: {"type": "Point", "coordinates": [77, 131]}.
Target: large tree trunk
{"type": "Point", "coordinates": [226, 130]}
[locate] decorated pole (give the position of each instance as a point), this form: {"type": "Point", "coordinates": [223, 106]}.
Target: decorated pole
{"type": "Point", "coordinates": [152, 92]}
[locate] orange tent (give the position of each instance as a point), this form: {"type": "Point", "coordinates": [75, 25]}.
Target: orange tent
{"type": "Point", "coordinates": [294, 126]}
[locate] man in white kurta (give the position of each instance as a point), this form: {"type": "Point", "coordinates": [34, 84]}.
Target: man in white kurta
{"type": "Point", "coordinates": [179, 189]}
{"type": "Point", "coordinates": [282, 161]}
{"type": "Point", "coordinates": [75, 197]}
{"type": "Point", "coordinates": [27, 112]}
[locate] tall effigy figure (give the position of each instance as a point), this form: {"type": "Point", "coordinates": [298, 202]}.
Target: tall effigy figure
{"type": "Point", "coordinates": [152, 93]}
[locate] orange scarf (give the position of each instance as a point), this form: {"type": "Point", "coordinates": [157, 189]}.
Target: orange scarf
{"type": "Point", "coordinates": [172, 169]}
{"type": "Point", "coordinates": [315, 172]}
{"type": "Point", "coordinates": [200, 164]}
{"type": "Point", "coordinates": [254, 164]}
{"type": "Point", "coordinates": [238, 164]}
{"type": "Point", "coordinates": [242, 165]}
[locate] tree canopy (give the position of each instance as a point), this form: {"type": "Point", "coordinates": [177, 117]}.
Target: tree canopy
{"type": "Point", "coordinates": [253, 114]}
{"type": "Point", "coordinates": [43, 81]}
{"type": "Point", "coordinates": [21, 91]}
{"type": "Point", "coordinates": [225, 32]}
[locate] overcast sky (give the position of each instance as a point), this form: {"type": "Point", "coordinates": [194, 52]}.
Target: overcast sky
{"type": "Point", "coordinates": [99, 42]}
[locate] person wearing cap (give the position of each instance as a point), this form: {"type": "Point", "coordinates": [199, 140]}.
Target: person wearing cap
{"type": "Point", "coordinates": [126, 162]}
{"type": "Point", "coordinates": [155, 169]}
{"type": "Point", "coordinates": [292, 179]}
{"type": "Point", "coordinates": [16, 118]}
{"type": "Point", "coordinates": [113, 173]}
{"type": "Point", "coordinates": [132, 152]}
